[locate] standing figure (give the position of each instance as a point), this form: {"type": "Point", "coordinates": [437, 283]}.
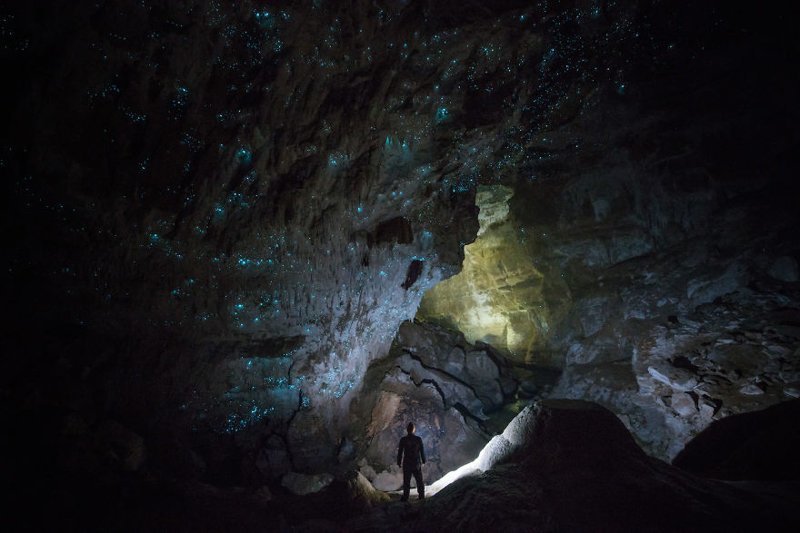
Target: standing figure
{"type": "Point", "coordinates": [411, 456]}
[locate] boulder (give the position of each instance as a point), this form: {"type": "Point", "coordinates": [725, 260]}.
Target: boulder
{"type": "Point", "coordinates": [572, 466]}
{"type": "Point", "coordinates": [302, 484]}
{"type": "Point", "coordinates": [360, 492]}
{"type": "Point", "coordinates": [759, 445]}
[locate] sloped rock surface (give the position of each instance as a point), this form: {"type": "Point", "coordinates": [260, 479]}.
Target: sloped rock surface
{"type": "Point", "coordinates": [572, 466]}
{"type": "Point", "coordinates": [756, 445]}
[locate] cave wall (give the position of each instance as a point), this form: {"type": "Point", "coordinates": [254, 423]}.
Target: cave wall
{"type": "Point", "coordinates": [674, 233]}
{"type": "Point", "coordinates": [226, 210]}
{"type": "Point", "coordinates": [222, 212]}
{"type": "Point", "coordinates": [659, 225]}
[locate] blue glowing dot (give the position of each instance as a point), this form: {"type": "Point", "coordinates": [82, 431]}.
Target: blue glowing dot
{"type": "Point", "coordinates": [239, 306]}
{"type": "Point", "coordinates": [155, 237]}
{"type": "Point", "coordinates": [383, 273]}
{"type": "Point", "coordinates": [264, 18]}
{"type": "Point", "coordinates": [441, 115]}
{"type": "Point", "coordinates": [360, 209]}
{"type": "Point", "coordinates": [244, 156]}
{"type": "Point", "coordinates": [621, 88]}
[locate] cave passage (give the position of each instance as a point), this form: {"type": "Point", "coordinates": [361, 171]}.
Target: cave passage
{"type": "Point", "coordinates": [248, 241]}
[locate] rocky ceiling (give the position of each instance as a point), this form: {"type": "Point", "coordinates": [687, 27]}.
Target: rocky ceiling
{"type": "Point", "coordinates": [220, 213]}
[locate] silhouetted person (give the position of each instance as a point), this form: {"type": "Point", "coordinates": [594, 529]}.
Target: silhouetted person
{"type": "Point", "coordinates": [411, 455]}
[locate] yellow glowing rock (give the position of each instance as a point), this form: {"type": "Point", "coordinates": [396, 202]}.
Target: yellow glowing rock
{"type": "Point", "coordinates": [497, 296]}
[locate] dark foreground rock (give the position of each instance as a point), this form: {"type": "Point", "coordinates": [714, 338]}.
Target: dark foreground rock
{"type": "Point", "coordinates": [572, 466]}
{"type": "Point", "coordinates": [560, 465]}
{"type": "Point", "coordinates": [759, 445]}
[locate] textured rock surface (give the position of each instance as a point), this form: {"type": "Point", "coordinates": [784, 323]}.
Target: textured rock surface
{"type": "Point", "coordinates": [572, 466]}
{"type": "Point", "coordinates": [498, 297]}
{"type": "Point", "coordinates": [657, 231]}
{"type": "Point", "coordinates": [453, 391]}
{"type": "Point", "coordinates": [219, 214]}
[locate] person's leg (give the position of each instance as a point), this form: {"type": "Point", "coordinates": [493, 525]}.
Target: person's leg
{"type": "Point", "coordinates": [420, 482]}
{"type": "Point", "coordinates": [406, 484]}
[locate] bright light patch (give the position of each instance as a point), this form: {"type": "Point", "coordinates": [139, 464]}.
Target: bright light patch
{"type": "Point", "coordinates": [497, 297]}
{"type": "Point", "coordinates": [497, 449]}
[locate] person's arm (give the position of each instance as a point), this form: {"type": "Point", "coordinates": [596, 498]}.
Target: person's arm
{"type": "Point", "coordinates": [421, 450]}
{"type": "Point", "coordinates": [400, 452]}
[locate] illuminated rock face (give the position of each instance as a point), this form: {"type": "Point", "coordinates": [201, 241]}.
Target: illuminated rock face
{"type": "Point", "coordinates": [446, 386]}
{"type": "Point", "coordinates": [497, 297]}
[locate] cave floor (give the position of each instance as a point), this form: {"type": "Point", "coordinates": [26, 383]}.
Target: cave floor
{"type": "Point", "coordinates": [147, 506]}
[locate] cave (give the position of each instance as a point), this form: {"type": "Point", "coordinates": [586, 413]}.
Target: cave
{"type": "Point", "coordinates": [249, 241]}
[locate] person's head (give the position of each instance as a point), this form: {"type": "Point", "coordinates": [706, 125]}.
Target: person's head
{"type": "Point", "coordinates": [410, 428]}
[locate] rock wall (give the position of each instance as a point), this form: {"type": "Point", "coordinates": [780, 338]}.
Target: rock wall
{"type": "Point", "coordinates": [222, 211]}
{"type": "Point", "coordinates": [658, 223]}
{"type": "Point", "coordinates": [499, 295]}
{"type": "Point", "coordinates": [457, 394]}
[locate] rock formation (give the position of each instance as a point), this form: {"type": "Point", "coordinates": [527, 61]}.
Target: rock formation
{"type": "Point", "coordinates": [224, 216]}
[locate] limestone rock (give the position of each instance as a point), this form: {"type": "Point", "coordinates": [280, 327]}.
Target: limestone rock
{"type": "Point", "coordinates": [676, 378]}
{"type": "Point", "coordinates": [683, 404]}
{"type": "Point", "coordinates": [498, 296]}
{"type": "Point", "coordinates": [302, 484]}
{"type": "Point", "coordinates": [388, 480]}
{"type": "Point", "coordinates": [361, 492]}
